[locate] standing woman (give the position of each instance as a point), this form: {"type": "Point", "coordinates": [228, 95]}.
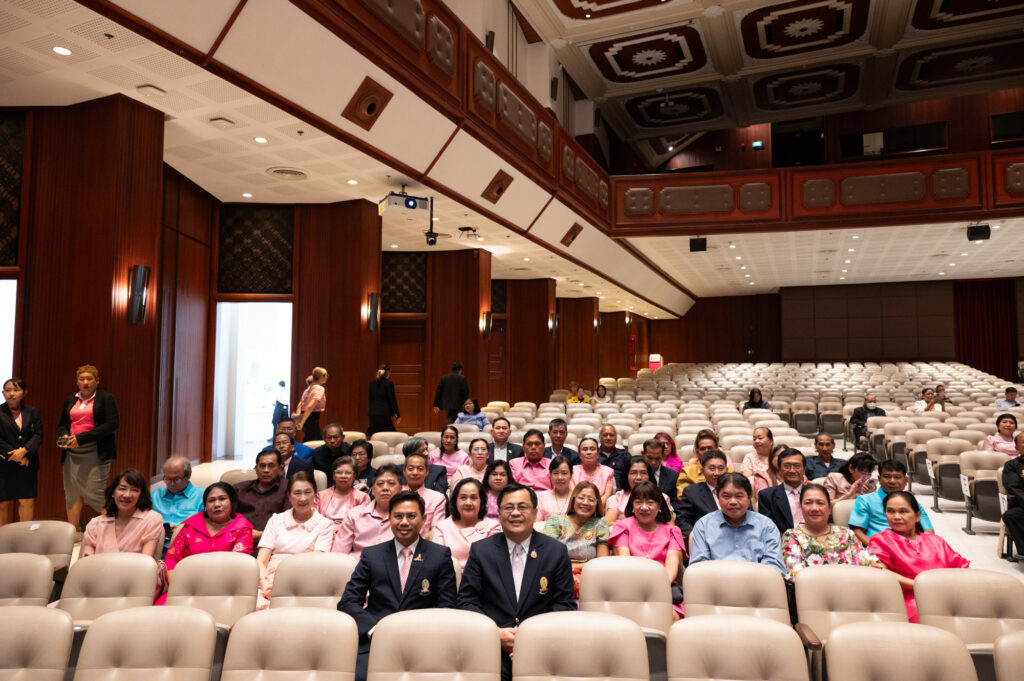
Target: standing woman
{"type": "Point", "coordinates": [21, 433]}
{"type": "Point", "coordinates": [312, 402]}
{"type": "Point", "coordinates": [383, 404]}
{"type": "Point", "coordinates": [85, 432]}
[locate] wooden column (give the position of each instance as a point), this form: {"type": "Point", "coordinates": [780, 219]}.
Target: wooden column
{"type": "Point", "coordinates": [577, 342]}
{"type": "Point", "coordinates": [613, 346]}
{"type": "Point", "coordinates": [532, 349]}
{"type": "Point", "coordinates": [338, 266]}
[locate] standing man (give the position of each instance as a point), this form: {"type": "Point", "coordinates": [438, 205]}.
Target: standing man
{"type": "Point", "coordinates": [516, 574]}
{"type": "Point", "coordinates": [501, 449]}
{"type": "Point", "coordinates": [859, 420]}
{"type": "Point", "coordinates": [781, 503]}
{"type": "Point", "coordinates": [406, 573]}
{"type": "Point", "coordinates": [178, 499]}
{"type": "Point", "coordinates": [824, 463]}
{"type": "Point", "coordinates": [452, 392]}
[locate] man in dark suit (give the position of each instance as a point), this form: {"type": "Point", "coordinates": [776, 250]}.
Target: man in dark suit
{"type": "Point", "coordinates": [334, 446]}
{"type": "Point", "coordinates": [664, 477]}
{"type": "Point", "coordinates": [290, 463]}
{"type": "Point", "coordinates": [610, 454]}
{"type": "Point", "coordinates": [781, 503]}
{"type": "Point", "coordinates": [437, 476]}
{"type": "Point", "coordinates": [501, 448]}
{"type": "Point", "coordinates": [452, 392]}
{"type": "Point", "coordinates": [558, 430]}
{"type": "Point", "coordinates": [859, 419]}
{"type": "Point", "coordinates": [516, 574]}
{"type": "Point", "coordinates": [407, 573]}
{"type": "Point", "coordinates": [1013, 482]}
{"type": "Point", "coordinates": [700, 498]}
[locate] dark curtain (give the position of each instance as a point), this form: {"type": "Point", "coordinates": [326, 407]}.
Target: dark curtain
{"type": "Point", "coordinates": [986, 326]}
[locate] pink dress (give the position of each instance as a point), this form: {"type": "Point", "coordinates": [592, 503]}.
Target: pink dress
{"type": "Point", "coordinates": [908, 559]}
{"type": "Point", "coordinates": [194, 538]}
{"type": "Point", "coordinates": [336, 508]}
{"type": "Point", "coordinates": [1001, 444]}
{"type": "Point", "coordinates": [451, 462]}
{"type": "Point", "coordinates": [285, 537]}
{"type": "Point", "coordinates": [674, 462]}
{"type": "Point", "coordinates": [466, 471]}
{"type": "Point", "coordinates": [603, 477]}
{"type": "Point", "coordinates": [548, 505]}
{"type": "Point", "coordinates": [143, 527]}
{"type": "Point", "coordinates": [654, 545]}
{"type": "Point", "coordinates": [618, 502]}
{"type": "Point", "coordinates": [446, 534]}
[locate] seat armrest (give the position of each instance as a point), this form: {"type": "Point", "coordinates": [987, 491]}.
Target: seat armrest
{"type": "Point", "coordinates": [653, 633]}
{"type": "Point", "coordinates": [807, 636]}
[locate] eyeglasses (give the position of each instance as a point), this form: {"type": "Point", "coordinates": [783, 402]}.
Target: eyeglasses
{"type": "Point", "coordinates": [174, 481]}
{"type": "Point", "coordinates": [645, 503]}
{"type": "Point", "coordinates": [522, 508]}
{"type": "Point", "coordinates": [791, 467]}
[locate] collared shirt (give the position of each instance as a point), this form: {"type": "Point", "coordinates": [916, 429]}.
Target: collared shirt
{"type": "Point", "coordinates": [176, 508]}
{"type": "Point", "coordinates": [714, 494]}
{"type": "Point", "coordinates": [398, 550]}
{"type": "Point", "coordinates": [533, 475]}
{"type": "Point", "coordinates": [869, 514]}
{"type": "Point", "coordinates": [361, 528]}
{"type": "Point", "coordinates": [817, 468]}
{"type": "Point", "coordinates": [258, 505]}
{"type": "Point", "coordinates": [435, 505]}
{"type": "Point", "coordinates": [755, 540]}
{"type": "Point", "coordinates": [793, 497]}
{"type": "Point", "coordinates": [567, 452]}
{"type": "Point", "coordinates": [526, 556]}
{"type": "Point", "coordinates": [81, 414]}
{"type": "Point", "coordinates": [1003, 403]}
{"type": "Point", "coordinates": [501, 452]}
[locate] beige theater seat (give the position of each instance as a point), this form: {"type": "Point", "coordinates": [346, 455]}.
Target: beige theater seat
{"type": "Point", "coordinates": [25, 579]}
{"type": "Point", "coordinates": [579, 645]}
{"type": "Point", "coordinates": [222, 583]}
{"type": "Point", "coordinates": [239, 475]}
{"type": "Point", "coordinates": [734, 647]}
{"type": "Point", "coordinates": [353, 435]}
{"type": "Point", "coordinates": [106, 582]}
{"type": "Point", "coordinates": [312, 580]}
{"type": "Point", "coordinates": [35, 644]}
{"type": "Point", "coordinates": [54, 539]}
{"type": "Point", "coordinates": [149, 644]}
{"type": "Point", "coordinates": [1009, 656]}
{"type": "Point", "coordinates": [392, 439]}
{"type": "Point", "coordinates": [732, 587]}
{"type": "Point", "coordinates": [435, 643]}
{"type": "Point", "coordinates": [885, 651]}
{"type": "Point", "coordinates": [292, 643]}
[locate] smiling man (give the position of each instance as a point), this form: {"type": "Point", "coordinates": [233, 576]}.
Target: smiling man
{"type": "Point", "coordinates": [781, 503]}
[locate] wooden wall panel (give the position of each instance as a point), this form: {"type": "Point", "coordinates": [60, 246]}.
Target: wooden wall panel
{"type": "Point", "coordinates": [1019, 292]}
{"type": "Point", "coordinates": [532, 350]}
{"type": "Point", "coordinates": [403, 344]}
{"type": "Point", "coordinates": [497, 361]}
{"type": "Point", "coordinates": [94, 203]}
{"type": "Point", "coordinates": [577, 342]}
{"type": "Point", "coordinates": [613, 346]}
{"type": "Point", "coordinates": [726, 329]}
{"type": "Point", "coordinates": [337, 267]}
{"type": "Point", "coordinates": [726, 150]}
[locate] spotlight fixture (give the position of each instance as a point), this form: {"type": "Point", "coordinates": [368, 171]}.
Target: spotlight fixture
{"type": "Point", "coordinates": [978, 233]}
{"type": "Point", "coordinates": [372, 311]}
{"type": "Point", "coordinates": [698, 245]}
{"type": "Point", "coordinates": [468, 232]}
{"type": "Point", "coordinates": [485, 324]}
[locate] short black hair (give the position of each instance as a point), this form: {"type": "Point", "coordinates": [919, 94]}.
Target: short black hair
{"type": "Point", "coordinates": [653, 442]}
{"type": "Point", "coordinates": [815, 486]}
{"type": "Point", "coordinates": [223, 487]}
{"type": "Point", "coordinates": [736, 480]}
{"type": "Point", "coordinates": [557, 422]}
{"type": "Point", "coordinates": [480, 490]}
{"type": "Point", "coordinates": [501, 418]}
{"type": "Point", "coordinates": [634, 460]}
{"type": "Point", "coordinates": [713, 454]}
{"type": "Point", "coordinates": [531, 433]}
{"type": "Point", "coordinates": [492, 466]}
{"type": "Point", "coordinates": [269, 452]}
{"type": "Point", "coordinates": [557, 461]}
{"type": "Point", "coordinates": [135, 479]}
{"type": "Point", "coordinates": [788, 452]}
{"type": "Point", "coordinates": [892, 465]}
{"type": "Point", "coordinates": [406, 495]}
{"type": "Point", "coordinates": [390, 469]}
{"type": "Point", "coordinates": [516, 487]}
{"type": "Point", "coordinates": [456, 366]}
{"type": "Point", "coordinates": [648, 490]}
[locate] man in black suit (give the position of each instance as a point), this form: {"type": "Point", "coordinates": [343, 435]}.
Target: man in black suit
{"type": "Point", "coordinates": [407, 573]}
{"type": "Point", "coordinates": [781, 503]}
{"type": "Point", "coordinates": [664, 477]}
{"type": "Point", "coordinates": [558, 430]}
{"type": "Point", "coordinates": [859, 419]}
{"type": "Point", "coordinates": [700, 498]}
{"type": "Point", "coordinates": [501, 448]}
{"type": "Point", "coordinates": [437, 476]}
{"type": "Point", "coordinates": [452, 392]}
{"type": "Point", "coordinates": [290, 463]}
{"type": "Point", "coordinates": [516, 574]}
{"type": "Point", "coordinates": [1013, 482]}
{"type": "Point", "coordinates": [334, 446]}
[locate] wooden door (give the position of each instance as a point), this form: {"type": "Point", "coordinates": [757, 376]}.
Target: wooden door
{"type": "Point", "coordinates": [403, 346]}
{"type": "Point", "coordinates": [497, 362]}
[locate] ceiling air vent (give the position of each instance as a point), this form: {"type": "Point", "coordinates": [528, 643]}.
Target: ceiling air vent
{"type": "Point", "coordinates": [287, 174]}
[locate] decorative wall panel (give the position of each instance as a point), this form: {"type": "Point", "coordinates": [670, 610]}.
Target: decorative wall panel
{"type": "Point", "coordinates": [404, 16]}
{"type": "Point", "coordinates": [254, 252]}
{"type": "Point", "coordinates": [12, 153]}
{"type": "Point", "coordinates": [403, 282]}
{"type": "Point", "coordinates": [884, 188]}
{"type": "Point", "coordinates": [689, 200]}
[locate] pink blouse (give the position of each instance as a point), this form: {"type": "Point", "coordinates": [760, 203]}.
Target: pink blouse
{"type": "Point", "coordinates": [336, 508]}
{"type": "Point", "coordinates": [81, 416]}
{"type": "Point", "coordinates": [603, 477]}
{"type": "Point", "coordinates": [447, 534]}
{"type": "Point", "coordinates": [654, 545]}
{"type": "Point", "coordinates": [908, 559]}
{"type": "Point", "coordinates": [675, 463]}
{"type": "Point", "coordinates": [194, 537]}
{"type": "Point", "coordinates": [286, 536]}
{"type": "Point", "coordinates": [618, 502]}
{"type": "Point", "coordinates": [548, 505]}
{"type": "Point", "coordinates": [142, 528]}
{"type": "Point", "coordinates": [451, 462]}
{"type": "Point", "coordinates": [1001, 444]}
{"type": "Point", "coordinates": [317, 394]}
{"type": "Point", "coordinates": [362, 527]}
{"type": "Point", "coordinates": [466, 471]}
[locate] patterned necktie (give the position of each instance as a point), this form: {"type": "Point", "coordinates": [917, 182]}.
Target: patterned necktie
{"type": "Point", "coordinates": [794, 506]}
{"type": "Point", "coordinates": [403, 571]}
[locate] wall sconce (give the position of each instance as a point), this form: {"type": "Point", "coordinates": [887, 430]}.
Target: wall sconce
{"type": "Point", "coordinates": [597, 323]}
{"type": "Point", "coordinates": [138, 293]}
{"type": "Point", "coordinates": [485, 324]}
{"type": "Point", "coordinates": [372, 311]}
{"type": "Point", "coordinates": [553, 324]}
{"type": "Point", "coordinates": [629, 319]}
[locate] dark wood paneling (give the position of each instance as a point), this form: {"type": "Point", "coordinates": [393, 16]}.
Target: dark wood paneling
{"type": "Point", "coordinates": [613, 346]}
{"type": "Point", "coordinates": [95, 210]}
{"type": "Point", "coordinates": [338, 266]}
{"type": "Point", "coordinates": [577, 342]}
{"type": "Point", "coordinates": [726, 150]}
{"type": "Point", "coordinates": [497, 361]}
{"type": "Point", "coordinates": [403, 345]}
{"type": "Point", "coordinates": [1019, 293]}
{"type": "Point", "coordinates": [726, 329]}
{"type": "Point", "coordinates": [532, 350]}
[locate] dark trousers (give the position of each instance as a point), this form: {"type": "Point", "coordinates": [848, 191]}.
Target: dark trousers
{"type": "Point", "coordinates": [1014, 521]}
{"type": "Point", "coordinates": [506, 667]}
{"type": "Point", "coordinates": [452, 415]}
{"type": "Point", "coordinates": [311, 428]}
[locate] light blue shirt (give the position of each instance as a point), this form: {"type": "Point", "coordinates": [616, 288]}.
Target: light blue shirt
{"type": "Point", "coordinates": [300, 450]}
{"type": "Point", "coordinates": [869, 514]}
{"type": "Point", "coordinates": [176, 508]}
{"type": "Point", "coordinates": [755, 540]}
{"type": "Point", "coordinates": [1003, 403]}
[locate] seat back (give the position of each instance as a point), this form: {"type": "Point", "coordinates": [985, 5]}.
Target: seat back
{"type": "Point", "coordinates": [54, 539]}
{"type": "Point", "coordinates": [1009, 656]}
{"type": "Point", "coordinates": [106, 582]}
{"type": "Point", "coordinates": [879, 651]}
{"type": "Point", "coordinates": [973, 462]}
{"type": "Point", "coordinates": [149, 644]}
{"type": "Point", "coordinates": [391, 438]}
{"type": "Point", "coordinates": [238, 475]}
{"type": "Point", "coordinates": [290, 643]}
{"type": "Point", "coordinates": [604, 646]}
{"type": "Point", "coordinates": [312, 580]}
{"type": "Point", "coordinates": [634, 587]}
{"type": "Point", "coordinates": [841, 512]}
{"type": "Point", "coordinates": [978, 606]}
{"type": "Point", "coordinates": [764, 650]}
{"type": "Point", "coordinates": [26, 579]}
{"type": "Point", "coordinates": [830, 596]}
{"type": "Point", "coordinates": [728, 587]}
{"type": "Point", "coordinates": [222, 583]}
{"type": "Point", "coordinates": [438, 643]}
{"type": "Point", "coordinates": [36, 643]}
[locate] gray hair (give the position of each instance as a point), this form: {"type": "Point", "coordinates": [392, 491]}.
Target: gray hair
{"type": "Point", "coordinates": [185, 463]}
{"type": "Point", "coordinates": [412, 445]}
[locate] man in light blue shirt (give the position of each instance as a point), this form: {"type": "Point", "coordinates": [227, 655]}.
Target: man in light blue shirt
{"type": "Point", "coordinates": [735, 532]}
{"type": "Point", "coordinates": [179, 499]}
{"type": "Point", "coordinates": [1009, 399]}
{"type": "Point", "coordinates": [868, 516]}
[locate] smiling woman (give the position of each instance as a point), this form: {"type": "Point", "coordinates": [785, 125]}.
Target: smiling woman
{"type": "Point", "coordinates": [128, 523]}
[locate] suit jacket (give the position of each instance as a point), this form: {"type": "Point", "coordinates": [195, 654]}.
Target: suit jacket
{"type": "Point", "coordinates": [1013, 482]}
{"type": "Point", "coordinates": [323, 459]}
{"type": "Point", "coordinates": [861, 415]}
{"type": "Point", "coordinates": [382, 398]}
{"type": "Point", "coordinates": [29, 435]}
{"type": "Point", "coordinates": [774, 503]}
{"type": "Point", "coordinates": [296, 464]}
{"type": "Point", "coordinates": [488, 588]}
{"type": "Point", "coordinates": [452, 392]}
{"type": "Point", "coordinates": [567, 451]}
{"type": "Point", "coordinates": [514, 451]}
{"type": "Point", "coordinates": [376, 582]}
{"type": "Point", "coordinates": [667, 479]}
{"type": "Point", "coordinates": [437, 478]}
{"type": "Point", "coordinates": [696, 502]}
{"type": "Point", "coordinates": [105, 421]}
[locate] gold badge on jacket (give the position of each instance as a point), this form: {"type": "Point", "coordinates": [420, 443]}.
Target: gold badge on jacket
{"type": "Point", "coordinates": [418, 558]}
{"type": "Point", "coordinates": [533, 554]}
{"type": "Point", "coordinates": [543, 585]}
{"type": "Point", "coordinates": [425, 590]}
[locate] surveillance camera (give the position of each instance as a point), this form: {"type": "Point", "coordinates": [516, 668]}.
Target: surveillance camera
{"type": "Point", "coordinates": [431, 238]}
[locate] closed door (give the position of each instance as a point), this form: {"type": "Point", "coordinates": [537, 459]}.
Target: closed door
{"type": "Point", "coordinates": [497, 362]}
{"type": "Point", "coordinates": [402, 345]}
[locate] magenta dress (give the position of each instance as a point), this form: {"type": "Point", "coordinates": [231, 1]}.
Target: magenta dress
{"type": "Point", "coordinates": [654, 545]}
{"type": "Point", "coordinates": [194, 537]}
{"type": "Point", "coordinates": [929, 552]}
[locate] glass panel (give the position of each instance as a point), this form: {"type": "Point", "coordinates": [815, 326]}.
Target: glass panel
{"type": "Point", "coordinates": [8, 303]}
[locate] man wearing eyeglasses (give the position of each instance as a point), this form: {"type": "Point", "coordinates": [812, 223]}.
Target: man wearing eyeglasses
{"type": "Point", "coordinates": [781, 503]}
{"type": "Point", "coordinates": [516, 574]}
{"type": "Point", "coordinates": [179, 499]}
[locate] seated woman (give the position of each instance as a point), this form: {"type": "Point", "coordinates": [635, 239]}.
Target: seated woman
{"type": "Point", "coordinates": [335, 502]}
{"type": "Point", "coordinates": [600, 395]}
{"type": "Point", "coordinates": [300, 529]}
{"type": "Point", "coordinates": [216, 528]}
{"type": "Point", "coordinates": [755, 401]}
{"type": "Point", "coordinates": [128, 523]}
{"type": "Point", "coordinates": [581, 528]}
{"type": "Point", "coordinates": [448, 454]}
{"type": "Point", "coordinates": [369, 524]}
{"type": "Point", "coordinates": [477, 466]}
{"type": "Point", "coordinates": [362, 453]}
{"type": "Point", "coordinates": [816, 542]}
{"type": "Point", "coordinates": [671, 459]}
{"type": "Point", "coordinates": [640, 470]}
{"type": "Point", "coordinates": [1002, 441]}
{"type": "Point", "coordinates": [853, 478]}
{"type": "Point", "coordinates": [556, 500]}
{"type": "Point", "coordinates": [497, 477]}
{"type": "Point", "coordinates": [760, 458]}
{"type": "Point", "coordinates": [468, 522]}
{"type": "Point", "coordinates": [906, 549]}
{"type": "Point", "coordinates": [471, 414]}
{"type": "Point", "coordinates": [590, 470]}
{"type": "Point", "coordinates": [928, 403]}
{"type": "Point", "coordinates": [578, 397]}
{"type": "Point", "coordinates": [647, 531]}
{"type": "Point", "coordinates": [770, 477]}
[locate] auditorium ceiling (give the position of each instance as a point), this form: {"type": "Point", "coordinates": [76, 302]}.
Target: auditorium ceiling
{"type": "Point", "coordinates": [664, 69]}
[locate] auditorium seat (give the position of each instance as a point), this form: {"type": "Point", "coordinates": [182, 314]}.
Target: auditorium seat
{"type": "Point", "coordinates": [1009, 656]}
{"type": "Point", "coordinates": [25, 579]}
{"type": "Point", "coordinates": [380, 448]}
{"type": "Point", "coordinates": [563, 646]}
{"type": "Point", "coordinates": [107, 582]}
{"type": "Point", "coordinates": [222, 583]}
{"type": "Point", "coordinates": [36, 643]}
{"type": "Point", "coordinates": [205, 474]}
{"type": "Point", "coordinates": [727, 587]}
{"type": "Point", "coordinates": [433, 437]}
{"type": "Point", "coordinates": [312, 580]}
{"type": "Point", "coordinates": [734, 647]}
{"type": "Point", "coordinates": [944, 468]}
{"type": "Point", "coordinates": [234, 477]}
{"type": "Point", "coordinates": [841, 511]}
{"type": "Point", "coordinates": [292, 643]}
{"type": "Point", "coordinates": [436, 643]}
{"type": "Point", "coordinates": [54, 539]}
{"type": "Point", "coordinates": [353, 435]}
{"type": "Point", "coordinates": [394, 459]}
{"type": "Point", "coordinates": [978, 471]}
{"type": "Point", "coordinates": [882, 651]}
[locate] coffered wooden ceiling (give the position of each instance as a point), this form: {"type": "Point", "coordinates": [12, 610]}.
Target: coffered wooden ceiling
{"type": "Point", "coordinates": [661, 70]}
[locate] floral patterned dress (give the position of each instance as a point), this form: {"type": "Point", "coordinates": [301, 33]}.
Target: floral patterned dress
{"type": "Point", "coordinates": [838, 546]}
{"type": "Point", "coordinates": [581, 543]}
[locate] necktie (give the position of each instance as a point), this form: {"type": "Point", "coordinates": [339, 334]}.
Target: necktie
{"type": "Point", "coordinates": [794, 506]}
{"type": "Point", "coordinates": [517, 567]}
{"type": "Point", "coordinates": [403, 570]}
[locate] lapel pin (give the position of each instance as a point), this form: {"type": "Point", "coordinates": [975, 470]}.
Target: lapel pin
{"type": "Point", "coordinates": [533, 554]}
{"type": "Point", "coordinates": [426, 587]}
{"type": "Point", "coordinates": [418, 558]}
{"type": "Point", "coordinates": [543, 585]}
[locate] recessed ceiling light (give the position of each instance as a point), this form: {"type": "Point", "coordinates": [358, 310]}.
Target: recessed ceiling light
{"type": "Point", "coordinates": [353, 181]}
{"type": "Point", "coordinates": [394, 245]}
{"type": "Point", "coordinates": [655, 316]}
{"type": "Point", "coordinates": [978, 241]}
{"type": "Point", "coordinates": [246, 195]}
{"type": "Point", "coordinates": [526, 260]}
{"type": "Point", "coordinates": [222, 123]}
{"type": "Point", "coordinates": [844, 271]}
{"type": "Point", "coordinates": [670, 148]}
{"type": "Point", "coordinates": [598, 293]}
{"type": "Point", "coordinates": [850, 250]}
{"type": "Point", "coordinates": [963, 254]}
{"type": "Point", "coordinates": [752, 283]}
{"type": "Point", "coordinates": [743, 267]}
{"type": "Point", "coordinates": [847, 262]}
{"type": "Point", "coordinates": [586, 16]}
{"type": "Point", "coordinates": [582, 284]}
{"type": "Point", "coordinates": [435, 219]}
{"type": "Point", "coordinates": [732, 245]}
{"type": "Point", "coordinates": [630, 307]}
{"type": "Point", "coordinates": [618, 301]}
{"type": "Point", "coordinates": [747, 276]}
{"type": "Point", "coordinates": [941, 273]}
{"type": "Point", "coordinates": [62, 51]}
{"type": "Point", "coordinates": [855, 237]}
{"type": "Point", "coordinates": [739, 257]}
{"type": "Point", "coordinates": [952, 264]}
{"type": "Point", "coordinates": [479, 238]}
{"type": "Point", "coordinates": [842, 278]}
{"type": "Point", "coordinates": [150, 90]}
{"type": "Point", "coordinates": [260, 140]}
{"type": "Point", "coordinates": [996, 226]}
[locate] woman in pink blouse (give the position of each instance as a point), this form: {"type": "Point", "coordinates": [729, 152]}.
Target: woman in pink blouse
{"type": "Point", "coordinates": [311, 404]}
{"type": "Point", "coordinates": [556, 500]}
{"type": "Point", "coordinates": [497, 478]}
{"type": "Point", "coordinates": [672, 459]}
{"type": "Point", "coordinates": [128, 524]}
{"type": "Point", "coordinates": [590, 470]}
{"type": "Point", "coordinates": [448, 454]}
{"type": "Point", "coordinates": [335, 502]}
{"type": "Point", "coordinates": [639, 471]}
{"type": "Point", "coordinates": [477, 466]}
{"type": "Point", "coordinates": [1002, 441]}
{"type": "Point", "coordinates": [468, 522]}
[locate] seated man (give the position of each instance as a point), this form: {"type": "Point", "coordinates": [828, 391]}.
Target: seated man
{"type": "Point", "coordinates": [435, 503]}
{"type": "Point", "coordinates": [610, 454]}
{"type": "Point", "coordinates": [290, 462]}
{"type": "Point", "coordinates": [437, 475]}
{"type": "Point", "coordinates": [664, 477]}
{"type": "Point", "coordinates": [823, 463]}
{"type": "Point", "coordinates": [287, 426]}
{"type": "Point", "coordinates": [868, 516]}
{"type": "Point", "coordinates": [426, 575]}
{"type": "Point", "coordinates": [334, 446]}
{"type": "Point", "coordinates": [859, 419]}
{"type": "Point", "coordinates": [700, 498]}
{"type": "Point", "coordinates": [263, 497]}
{"type": "Point", "coordinates": [1013, 482]}
{"type": "Point", "coordinates": [501, 449]}
{"type": "Point", "coordinates": [781, 503]}
{"type": "Point", "coordinates": [179, 499]}
{"type": "Point", "coordinates": [531, 469]}
{"type": "Point", "coordinates": [735, 532]}
{"type": "Point", "coordinates": [558, 430]}
{"type": "Point", "coordinates": [1008, 400]}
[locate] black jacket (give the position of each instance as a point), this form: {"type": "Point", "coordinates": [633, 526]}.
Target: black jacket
{"type": "Point", "coordinates": [105, 418]}
{"type": "Point", "coordinates": [29, 435]}
{"type": "Point", "coordinates": [382, 398]}
{"type": "Point", "coordinates": [452, 392]}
